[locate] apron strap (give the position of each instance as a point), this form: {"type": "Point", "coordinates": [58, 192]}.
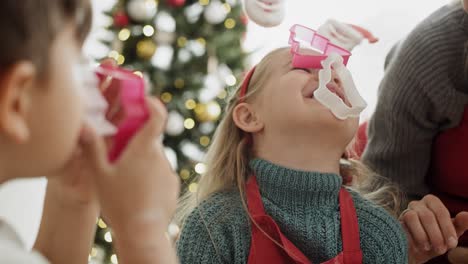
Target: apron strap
{"type": "Point", "coordinates": [351, 254]}
{"type": "Point", "coordinates": [254, 199]}
{"type": "Point", "coordinates": [260, 217]}
{"type": "Point", "coordinates": [349, 229]}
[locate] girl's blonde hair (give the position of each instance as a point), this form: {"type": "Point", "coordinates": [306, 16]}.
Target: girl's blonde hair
{"type": "Point", "coordinates": [229, 155]}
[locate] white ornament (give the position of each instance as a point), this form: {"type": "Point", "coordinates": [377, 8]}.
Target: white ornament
{"type": "Point", "coordinates": [197, 48]}
{"type": "Point", "coordinates": [163, 57]}
{"type": "Point", "coordinates": [142, 10]}
{"type": "Point", "coordinates": [193, 12]}
{"type": "Point", "coordinates": [212, 86]}
{"type": "Point", "coordinates": [184, 55]}
{"type": "Point", "coordinates": [266, 13]}
{"type": "Point", "coordinates": [215, 12]}
{"type": "Point", "coordinates": [175, 124]}
{"type": "Point", "coordinates": [192, 151]}
{"type": "Point", "coordinates": [207, 127]}
{"type": "Point", "coordinates": [165, 22]}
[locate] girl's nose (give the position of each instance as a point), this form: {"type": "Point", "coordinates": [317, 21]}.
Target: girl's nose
{"type": "Point", "coordinates": [335, 78]}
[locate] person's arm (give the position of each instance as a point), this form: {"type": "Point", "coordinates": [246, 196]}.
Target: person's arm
{"type": "Point", "coordinates": [144, 243]}
{"type": "Point", "coordinates": [400, 134]}
{"type": "Point", "coordinates": [415, 103]}
{"type": "Point", "coordinates": [419, 97]}
{"type": "Point", "coordinates": [138, 192]}
{"type": "Point", "coordinates": [67, 228]}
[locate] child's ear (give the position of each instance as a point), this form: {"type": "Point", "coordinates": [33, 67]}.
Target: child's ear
{"type": "Point", "coordinates": [15, 93]}
{"type": "Point", "coordinates": [246, 118]}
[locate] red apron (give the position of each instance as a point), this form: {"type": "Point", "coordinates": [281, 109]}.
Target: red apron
{"type": "Point", "coordinates": [448, 176]}
{"type": "Point", "coordinates": [264, 250]}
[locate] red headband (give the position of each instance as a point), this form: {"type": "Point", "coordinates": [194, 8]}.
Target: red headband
{"type": "Point", "coordinates": [245, 85]}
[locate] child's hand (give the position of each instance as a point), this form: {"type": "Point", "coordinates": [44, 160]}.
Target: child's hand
{"type": "Point", "coordinates": [430, 230]}
{"type": "Point", "coordinates": [140, 188]}
{"type": "Point", "coordinates": [73, 184]}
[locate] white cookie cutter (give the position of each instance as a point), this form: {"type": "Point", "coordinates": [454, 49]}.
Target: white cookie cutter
{"type": "Point", "coordinates": [332, 101]}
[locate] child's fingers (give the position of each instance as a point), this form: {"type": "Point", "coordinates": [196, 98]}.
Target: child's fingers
{"type": "Point", "coordinates": [416, 230]}
{"type": "Point", "coordinates": [109, 62]}
{"type": "Point", "coordinates": [444, 221]}
{"type": "Point", "coordinates": [416, 253]}
{"type": "Point", "coordinates": [432, 229]}
{"type": "Point", "coordinates": [461, 223]}
{"type": "Point", "coordinates": [411, 244]}
{"type": "Point", "coordinates": [94, 148]}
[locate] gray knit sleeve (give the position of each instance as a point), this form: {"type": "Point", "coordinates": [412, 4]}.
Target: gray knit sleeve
{"type": "Point", "coordinates": [400, 134]}
{"type": "Point", "coordinates": [421, 95]}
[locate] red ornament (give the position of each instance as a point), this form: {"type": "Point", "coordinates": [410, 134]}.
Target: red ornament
{"type": "Point", "coordinates": [176, 3]}
{"type": "Point", "coordinates": [121, 19]}
{"type": "Point", "coordinates": [244, 19]}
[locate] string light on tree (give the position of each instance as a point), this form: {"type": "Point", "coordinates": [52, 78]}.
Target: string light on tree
{"type": "Point", "coordinates": [222, 95]}
{"type": "Point", "coordinates": [189, 123]}
{"type": "Point", "coordinates": [166, 97]}
{"type": "Point", "coordinates": [184, 174]}
{"type": "Point", "coordinates": [200, 168]}
{"type": "Point", "coordinates": [208, 112]}
{"type": "Point", "coordinates": [108, 237]}
{"type": "Point", "coordinates": [182, 41]}
{"type": "Point", "coordinates": [124, 34]}
{"type": "Point", "coordinates": [148, 30]}
{"type": "Point", "coordinates": [193, 187]}
{"type": "Point", "coordinates": [101, 223]}
{"type": "Point", "coordinates": [230, 23]}
{"type": "Point", "coordinates": [113, 259]}
{"type": "Point", "coordinates": [231, 80]}
{"type": "Point", "coordinates": [204, 2]}
{"type": "Point", "coordinates": [190, 104]}
{"type": "Point", "coordinates": [113, 55]}
{"type": "Point", "coordinates": [204, 141]}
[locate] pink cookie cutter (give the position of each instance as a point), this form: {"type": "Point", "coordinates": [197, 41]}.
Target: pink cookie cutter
{"type": "Point", "coordinates": [303, 35]}
{"type": "Point", "coordinates": [125, 94]}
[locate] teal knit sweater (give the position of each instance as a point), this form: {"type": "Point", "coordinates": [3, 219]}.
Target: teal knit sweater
{"type": "Point", "coordinates": [304, 205]}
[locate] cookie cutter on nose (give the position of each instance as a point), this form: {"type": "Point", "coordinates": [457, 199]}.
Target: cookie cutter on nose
{"type": "Point", "coordinates": [302, 37]}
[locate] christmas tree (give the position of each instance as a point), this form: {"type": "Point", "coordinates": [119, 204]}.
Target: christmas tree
{"type": "Point", "coordinates": [190, 52]}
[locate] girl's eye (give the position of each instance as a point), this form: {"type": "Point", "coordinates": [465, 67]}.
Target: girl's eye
{"type": "Point", "coordinates": [302, 69]}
